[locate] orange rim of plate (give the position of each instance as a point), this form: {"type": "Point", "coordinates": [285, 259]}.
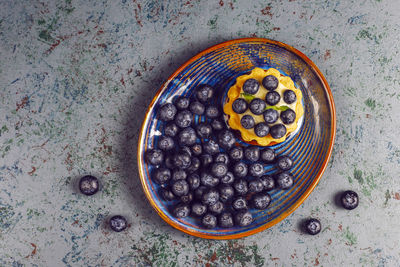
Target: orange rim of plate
{"type": "Point", "coordinates": [306, 193]}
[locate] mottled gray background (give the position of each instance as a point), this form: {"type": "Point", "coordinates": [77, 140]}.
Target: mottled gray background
{"type": "Point", "coordinates": [75, 80]}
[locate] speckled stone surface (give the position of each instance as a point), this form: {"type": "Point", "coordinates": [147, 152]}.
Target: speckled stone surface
{"type": "Point", "coordinates": [75, 80]}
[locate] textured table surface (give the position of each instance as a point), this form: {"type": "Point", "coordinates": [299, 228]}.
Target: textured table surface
{"type": "Point", "coordinates": [75, 80]}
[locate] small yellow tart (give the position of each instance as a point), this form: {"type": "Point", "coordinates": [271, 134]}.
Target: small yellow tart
{"type": "Point", "coordinates": [236, 91]}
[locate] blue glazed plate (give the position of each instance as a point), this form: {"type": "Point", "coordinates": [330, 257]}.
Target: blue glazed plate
{"type": "Point", "coordinates": [310, 146]}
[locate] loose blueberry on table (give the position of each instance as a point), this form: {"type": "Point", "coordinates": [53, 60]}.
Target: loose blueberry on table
{"type": "Point", "coordinates": [312, 226]}
{"type": "Point", "coordinates": [349, 200]}
{"type": "Point", "coordinates": [118, 223]}
{"type": "Point", "coordinates": [89, 185]}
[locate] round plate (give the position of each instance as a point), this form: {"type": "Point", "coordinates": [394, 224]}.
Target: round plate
{"type": "Point", "coordinates": [310, 147]}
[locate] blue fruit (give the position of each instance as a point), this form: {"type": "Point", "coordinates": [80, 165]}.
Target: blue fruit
{"type": "Point", "coordinates": [251, 86]}
{"type": "Point", "coordinates": [154, 157]}
{"type": "Point", "coordinates": [118, 223]}
{"type": "Point", "coordinates": [257, 106]}
{"type": "Point", "coordinates": [271, 116]}
{"type": "Point", "coordinates": [182, 102]}
{"type": "Point", "coordinates": [272, 98]}
{"type": "Point", "coordinates": [247, 121]}
{"type": "Point", "coordinates": [270, 82]}
{"type": "Point", "coordinates": [261, 129]}
{"type": "Point", "coordinates": [289, 97]}
{"type": "Point", "coordinates": [89, 185]}
{"type": "Point", "coordinates": [277, 131]}
{"type": "Point", "coordinates": [184, 118]}
{"type": "Point", "coordinates": [288, 116]}
{"type": "Point", "coordinates": [167, 112]}
{"type": "Point", "coordinates": [239, 105]}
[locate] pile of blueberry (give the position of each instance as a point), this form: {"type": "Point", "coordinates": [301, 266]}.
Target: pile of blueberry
{"type": "Point", "coordinates": [203, 172]}
{"type": "Point", "coordinates": [259, 106]}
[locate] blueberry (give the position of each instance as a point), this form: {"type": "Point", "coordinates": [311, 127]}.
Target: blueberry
{"type": "Point", "coordinates": [216, 208]}
{"type": "Point", "coordinates": [198, 209]}
{"type": "Point", "coordinates": [226, 192]}
{"type": "Point", "coordinates": [349, 199]}
{"type": "Point", "coordinates": [252, 153]}
{"type": "Point", "coordinates": [187, 198]}
{"type": "Point", "coordinates": [271, 116]}
{"type": "Point", "coordinates": [186, 149]}
{"type": "Point", "coordinates": [167, 112]}
{"type": "Point", "coordinates": [212, 111]}
{"type": "Point", "coordinates": [247, 121]}
{"type": "Point", "coordinates": [284, 163]}
{"type": "Point", "coordinates": [181, 160]}
{"type": "Point", "coordinates": [243, 218]}
{"type": "Point", "coordinates": [89, 185]}
{"type": "Point", "coordinates": [178, 174]}
{"type": "Point", "coordinates": [289, 96]}
{"type": "Point", "coordinates": [268, 155]}
{"type": "Point", "coordinates": [239, 203]}
{"type": "Point", "coordinates": [240, 169]}
{"type": "Point", "coordinates": [197, 149]}
{"type": "Point", "coordinates": [226, 139]}
{"type": "Point", "coordinates": [118, 223]}
{"type": "Point", "coordinates": [184, 118]}
{"type": "Point", "coordinates": [257, 106]}
{"type": "Point", "coordinates": [268, 182]}
{"type": "Point", "coordinates": [218, 124]}
{"type": "Point", "coordinates": [210, 197]}
{"type": "Point", "coordinates": [207, 179]}
{"type": "Point", "coordinates": [211, 147]}
{"type": "Point", "coordinates": [261, 129]}
{"type": "Point", "coordinates": [165, 143]}
{"type": "Point", "coordinates": [288, 116]}
{"type": "Point", "coordinates": [198, 192]}
{"type": "Point", "coordinates": [187, 137]}
{"type": "Point", "coordinates": [236, 153]}
{"type": "Point", "coordinates": [272, 98]}
{"type": "Point", "coordinates": [239, 105]}
{"type": "Point", "coordinates": [219, 169]}
{"type": "Point", "coordinates": [221, 157]}
{"type": "Point", "coordinates": [167, 194]}
{"type": "Point", "coordinates": [225, 220]}
{"type": "Point", "coordinates": [256, 169]}
{"type": "Point", "coordinates": [154, 156]}
{"type": "Point", "coordinates": [204, 130]}
{"type": "Point", "coordinates": [228, 178]}
{"type": "Point", "coordinates": [197, 108]}
{"type": "Point", "coordinates": [256, 186]}
{"type": "Point", "coordinates": [206, 159]}
{"type": "Point", "coordinates": [270, 82]}
{"type": "Point", "coordinates": [261, 200]}
{"type": "Point", "coordinates": [251, 86]}
{"type": "Point", "coordinates": [180, 188]}
{"type": "Point", "coordinates": [284, 180]}
{"type": "Point", "coordinates": [161, 175]}
{"type": "Point", "coordinates": [209, 221]}
{"type": "Point", "coordinates": [194, 165]}
{"type": "Point", "coordinates": [171, 129]}
{"type": "Point", "coordinates": [204, 93]}
{"type": "Point", "coordinates": [181, 210]}
{"type": "Point", "coordinates": [241, 187]}
{"type": "Point", "coordinates": [312, 226]}
{"type": "Point", "coordinates": [182, 102]}
{"type": "Point", "coordinates": [193, 181]}
{"type": "Point", "coordinates": [277, 131]}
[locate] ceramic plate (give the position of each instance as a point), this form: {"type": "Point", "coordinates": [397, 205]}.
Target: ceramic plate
{"type": "Point", "coordinates": [310, 146]}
